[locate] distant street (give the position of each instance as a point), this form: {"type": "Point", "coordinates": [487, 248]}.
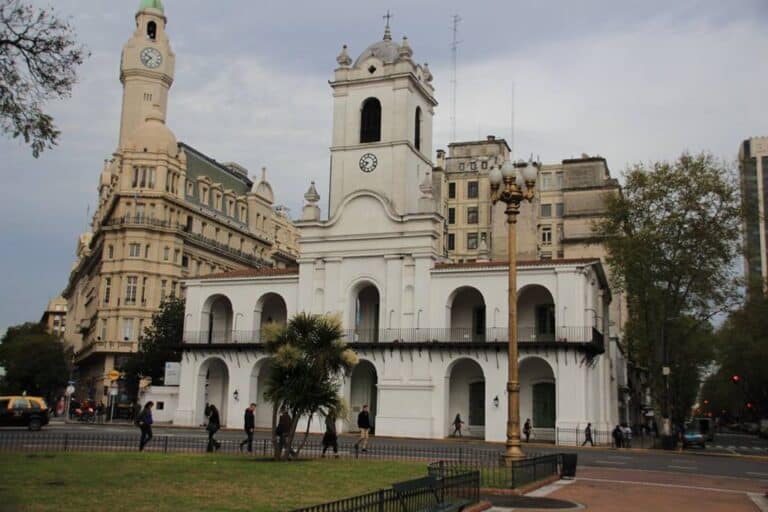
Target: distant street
{"type": "Point", "coordinates": [690, 462]}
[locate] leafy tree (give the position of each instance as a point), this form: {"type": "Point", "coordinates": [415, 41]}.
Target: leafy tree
{"type": "Point", "coordinates": [35, 362]}
{"type": "Point", "coordinates": [742, 349]}
{"type": "Point", "coordinates": [160, 343]}
{"type": "Point", "coordinates": [308, 361]}
{"type": "Point", "coordinates": [671, 238]}
{"type": "Point", "coordinates": [38, 60]}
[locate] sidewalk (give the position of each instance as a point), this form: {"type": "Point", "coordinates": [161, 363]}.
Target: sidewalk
{"type": "Point", "coordinates": [640, 491]}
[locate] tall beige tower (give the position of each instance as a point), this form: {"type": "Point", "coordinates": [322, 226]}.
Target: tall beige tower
{"type": "Point", "coordinates": [146, 68]}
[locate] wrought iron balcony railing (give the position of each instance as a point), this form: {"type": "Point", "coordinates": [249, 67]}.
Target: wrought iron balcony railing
{"type": "Point", "coordinates": [525, 335]}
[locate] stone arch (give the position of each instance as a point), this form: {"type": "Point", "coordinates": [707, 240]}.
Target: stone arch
{"type": "Point", "coordinates": [365, 311]}
{"type": "Point", "coordinates": [217, 319]}
{"type": "Point", "coordinates": [256, 389]}
{"type": "Point", "coordinates": [271, 308]}
{"type": "Point", "coordinates": [363, 390]}
{"type": "Point", "coordinates": [466, 314]}
{"type": "Point", "coordinates": [536, 314]}
{"type": "Point", "coordinates": [465, 395]}
{"type": "Point", "coordinates": [538, 396]}
{"type": "Point", "coordinates": [212, 387]}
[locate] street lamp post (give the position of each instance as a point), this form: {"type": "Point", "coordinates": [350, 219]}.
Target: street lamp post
{"type": "Point", "coordinates": [511, 185]}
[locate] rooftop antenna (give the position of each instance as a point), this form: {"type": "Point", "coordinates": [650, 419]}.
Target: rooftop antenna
{"type": "Point", "coordinates": [454, 52]}
{"type": "Point", "coordinates": [512, 125]}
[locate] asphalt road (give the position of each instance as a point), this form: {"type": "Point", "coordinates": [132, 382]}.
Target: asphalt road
{"type": "Point", "coordinates": [691, 462]}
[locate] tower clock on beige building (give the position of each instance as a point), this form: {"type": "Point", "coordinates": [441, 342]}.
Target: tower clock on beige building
{"type": "Point", "coordinates": [166, 212]}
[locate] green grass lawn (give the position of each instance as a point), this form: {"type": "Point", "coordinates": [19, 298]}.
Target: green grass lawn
{"type": "Point", "coordinates": [147, 481]}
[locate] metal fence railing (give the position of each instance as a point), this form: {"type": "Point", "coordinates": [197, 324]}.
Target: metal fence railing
{"type": "Point", "coordinates": [495, 473]}
{"type": "Point", "coordinates": [564, 334]}
{"type": "Point", "coordinates": [461, 486]}
{"type": "Point", "coordinates": [577, 437]}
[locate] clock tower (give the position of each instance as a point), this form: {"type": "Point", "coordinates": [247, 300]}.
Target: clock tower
{"type": "Point", "coordinates": [146, 68]}
{"type": "Point", "coordinates": [382, 126]}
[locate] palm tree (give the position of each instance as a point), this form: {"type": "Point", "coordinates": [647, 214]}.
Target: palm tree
{"type": "Point", "coordinates": [308, 362]}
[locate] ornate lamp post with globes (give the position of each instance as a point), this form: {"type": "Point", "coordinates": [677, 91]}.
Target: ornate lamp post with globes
{"type": "Point", "coordinates": [511, 185]}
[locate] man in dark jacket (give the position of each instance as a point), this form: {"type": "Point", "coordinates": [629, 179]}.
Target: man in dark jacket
{"type": "Point", "coordinates": [283, 428]}
{"type": "Point", "coordinates": [364, 424]}
{"type": "Point", "coordinates": [144, 421]}
{"type": "Point", "coordinates": [588, 435]}
{"type": "Point", "coordinates": [250, 424]}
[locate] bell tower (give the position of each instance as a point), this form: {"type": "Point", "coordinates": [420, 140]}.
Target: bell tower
{"type": "Point", "coordinates": [382, 125]}
{"type": "Point", "coordinates": [146, 68]}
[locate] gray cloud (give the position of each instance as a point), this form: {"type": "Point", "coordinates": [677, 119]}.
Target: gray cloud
{"type": "Point", "coordinates": [632, 81]}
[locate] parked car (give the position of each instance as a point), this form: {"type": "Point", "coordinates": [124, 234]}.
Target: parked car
{"type": "Point", "coordinates": [693, 437]}
{"type": "Point", "coordinates": [23, 411]}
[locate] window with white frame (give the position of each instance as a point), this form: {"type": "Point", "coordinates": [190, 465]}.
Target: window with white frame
{"type": "Point", "coordinates": [127, 330]}
{"type": "Point", "coordinates": [134, 250]}
{"type": "Point", "coordinates": [131, 284]}
{"type": "Point", "coordinates": [546, 235]}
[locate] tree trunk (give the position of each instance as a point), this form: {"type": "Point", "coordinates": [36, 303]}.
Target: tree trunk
{"type": "Point", "coordinates": [306, 434]}
{"type": "Point", "coordinates": [291, 433]}
{"type": "Point", "coordinates": [275, 446]}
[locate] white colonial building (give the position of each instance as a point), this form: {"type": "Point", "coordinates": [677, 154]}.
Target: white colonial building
{"type": "Point", "coordinates": [431, 335]}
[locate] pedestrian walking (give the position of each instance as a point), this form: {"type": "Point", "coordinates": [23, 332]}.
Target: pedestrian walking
{"type": "Point", "coordinates": [617, 436]}
{"type": "Point", "coordinates": [144, 422]}
{"type": "Point", "coordinates": [330, 438]}
{"type": "Point", "coordinates": [364, 424]}
{"type": "Point", "coordinates": [627, 431]}
{"type": "Point", "coordinates": [249, 424]}
{"type": "Point", "coordinates": [283, 428]}
{"type": "Point", "coordinates": [527, 430]}
{"type": "Point", "coordinates": [457, 423]}
{"type": "Point", "coordinates": [213, 426]}
{"type": "Point", "coordinates": [588, 435]}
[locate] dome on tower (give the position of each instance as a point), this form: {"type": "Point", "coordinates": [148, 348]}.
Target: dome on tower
{"type": "Point", "coordinates": [151, 4]}
{"type": "Point", "coordinates": [153, 136]}
{"type": "Point", "coordinates": [385, 50]}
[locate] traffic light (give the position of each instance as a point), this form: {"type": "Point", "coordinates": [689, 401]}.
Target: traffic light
{"type": "Point", "coordinates": [736, 378]}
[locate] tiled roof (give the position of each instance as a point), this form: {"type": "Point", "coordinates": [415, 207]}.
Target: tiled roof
{"type": "Point", "coordinates": [521, 263]}
{"type": "Point", "coordinates": [252, 272]}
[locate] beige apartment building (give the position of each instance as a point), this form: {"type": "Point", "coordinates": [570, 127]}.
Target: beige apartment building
{"type": "Point", "coordinates": [753, 174]}
{"type": "Point", "coordinates": [557, 224]}
{"type": "Point", "coordinates": [54, 317]}
{"type": "Point", "coordinates": [166, 212]}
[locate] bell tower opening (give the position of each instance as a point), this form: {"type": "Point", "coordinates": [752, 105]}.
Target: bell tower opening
{"type": "Point", "coordinates": [417, 129]}
{"type": "Point", "coordinates": [370, 121]}
{"type": "Point", "coordinates": [152, 30]}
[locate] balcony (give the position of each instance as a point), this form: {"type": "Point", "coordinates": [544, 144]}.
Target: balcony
{"type": "Point", "coordinates": [193, 238]}
{"type": "Point", "coordinates": [105, 346]}
{"type": "Point", "coordinates": [587, 337]}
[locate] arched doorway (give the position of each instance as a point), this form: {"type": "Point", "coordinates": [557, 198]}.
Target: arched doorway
{"type": "Point", "coordinates": [538, 397]}
{"type": "Point", "coordinates": [270, 309]}
{"type": "Point", "coordinates": [467, 315]}
{"type": "Point", "coordinates": [258, 387]}
{"type": "Point", "coordinates": [363, 391]}
{"type": "Point", "coordinates": [217, 319]}
{"type": "Point", "coordinates": [535, 314]}
{"type": "Point", "coordinates": [366, 318]}
{"type": "Point", "coordinates": [466, 396]}
{"type": "Point", "coordinates": [212, 388]}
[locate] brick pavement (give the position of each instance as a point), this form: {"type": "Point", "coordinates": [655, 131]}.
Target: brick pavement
{"type": "Point", "coordinates": [608, 490]}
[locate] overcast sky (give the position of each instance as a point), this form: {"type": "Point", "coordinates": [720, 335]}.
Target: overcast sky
{"type": "Point", "coordinates": [631, 81]}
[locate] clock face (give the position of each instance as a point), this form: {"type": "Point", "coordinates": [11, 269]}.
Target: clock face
{"type": "Point", "coordinates": [368, 162]}
{"type": "Point", "coordinates": [151, 58]}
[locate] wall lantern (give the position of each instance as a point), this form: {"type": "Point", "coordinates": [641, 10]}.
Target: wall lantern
{"type": "Point", "coordinates": [496, 401]}
{"type": "Point", "coordinates": [236, 395]}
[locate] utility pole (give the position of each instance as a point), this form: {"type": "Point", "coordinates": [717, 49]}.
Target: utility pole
{"type": "Point", "coordinates": [454, 54]}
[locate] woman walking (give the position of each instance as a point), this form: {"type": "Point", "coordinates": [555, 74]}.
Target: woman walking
{"type": "Point", "coordinates": [214, 424]}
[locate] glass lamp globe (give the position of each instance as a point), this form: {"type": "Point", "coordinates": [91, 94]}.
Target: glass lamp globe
{"type": "Point", "coordinates": [530, 172]}
{"type": "Point", "coordinates": [495, 177]}
{"type": "Point", "coordinates": [508, 169]}
{"type": "Point", "coordinates": [519, 181]}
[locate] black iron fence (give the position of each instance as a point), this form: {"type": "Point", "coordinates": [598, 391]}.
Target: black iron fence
{"type": "Point", "coordinates": [498, 474]}
{"type": "Point", "coordinates": [459, 486]}
{"type": "Point", "coordinates": [577, 437]}
{"type": "Point", "coordinates": [421, 335]}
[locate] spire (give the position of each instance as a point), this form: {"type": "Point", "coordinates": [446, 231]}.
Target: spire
{"type": "Point", "coordinates": [387, 32]}
{"type": "Point", "coordinates": [405, 49]}
{"type": "Point", "coordinates": [264, 173]}
{"type": "Point", "coordinates": [312, 196]}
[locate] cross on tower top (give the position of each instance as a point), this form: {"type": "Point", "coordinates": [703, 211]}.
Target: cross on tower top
{"type": "Point", "coordinates": [387, 33]}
